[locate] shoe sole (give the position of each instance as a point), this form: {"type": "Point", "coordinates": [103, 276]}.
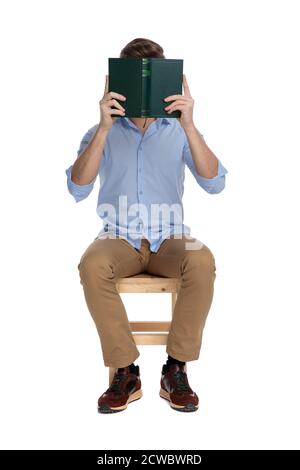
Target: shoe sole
{"type": "Point", "coordinates": [109, 409]}
{"type": "Point", "coordinates": [186, 408]}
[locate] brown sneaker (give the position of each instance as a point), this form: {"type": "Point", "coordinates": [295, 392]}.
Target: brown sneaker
{"type": "Point", "coordinates": [175, 388]}
{"type": "Point", "coordinates": [125, 388]}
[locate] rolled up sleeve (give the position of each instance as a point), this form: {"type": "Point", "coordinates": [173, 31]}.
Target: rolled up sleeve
{"type": "Point", "coordinates": [211, 185]}
{"type": "Point", "coordinates": [78, 191]}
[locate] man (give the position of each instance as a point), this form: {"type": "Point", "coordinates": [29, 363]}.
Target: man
{"type": "Point", "coordinates": [140, 163]}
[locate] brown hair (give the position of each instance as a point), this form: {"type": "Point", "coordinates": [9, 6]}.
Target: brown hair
{"type": "Point", "coordinates": [141, 47]}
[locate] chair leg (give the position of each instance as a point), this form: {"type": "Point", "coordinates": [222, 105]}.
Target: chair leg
{"type": "Point", "coordinates": [112, 371]}
{"type": "Point", "coordinates": [174, 298]}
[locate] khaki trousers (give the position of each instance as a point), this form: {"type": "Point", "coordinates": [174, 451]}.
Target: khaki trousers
{"type": "Point", "coordinates": [107, 259]}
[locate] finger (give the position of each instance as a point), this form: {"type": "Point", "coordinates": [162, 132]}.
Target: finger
{"type": "Point", "coordinates": [113, 94]}
{"type": "Point", "coordinates": [185, 86]}
{"type": "Point", "coordinates": [116, 111]}
{"type": "Point", "coordinates": [112, 102]}
{"type": "Point", "coordinates": [106, 84]}
{"type": "Point", "coordinates": [173, 97]}
{"type": "Point", "coordinates": [175, 103]}
{"type": "Point", "coordinates": [177, 106]}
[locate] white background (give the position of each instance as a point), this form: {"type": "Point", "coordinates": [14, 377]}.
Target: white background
{"type": "Point", "coordinates": [241, 59]}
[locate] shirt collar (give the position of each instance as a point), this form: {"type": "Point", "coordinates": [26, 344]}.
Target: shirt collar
{"type": "Point", "coordinates": [159, 121]}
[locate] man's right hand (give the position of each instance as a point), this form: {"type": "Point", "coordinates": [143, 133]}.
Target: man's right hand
{"type": "Point", "coordinates": [106, 110]}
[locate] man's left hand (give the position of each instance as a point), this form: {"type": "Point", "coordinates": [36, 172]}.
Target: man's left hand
{"type": "Point", "coordinates": [183, 103]}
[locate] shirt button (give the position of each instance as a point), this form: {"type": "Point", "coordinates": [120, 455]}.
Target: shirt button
{"type": "Point", "coordinates": [140, 170]}
{"type": "Point", "coordinates": [141, 192]}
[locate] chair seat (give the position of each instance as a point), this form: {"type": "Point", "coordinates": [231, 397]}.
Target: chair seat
{"type": "Point", "coordinates": [147, 283]}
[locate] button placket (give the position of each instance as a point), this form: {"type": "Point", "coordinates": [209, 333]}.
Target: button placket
{"type": "Point", "coordinates": [139, 167]}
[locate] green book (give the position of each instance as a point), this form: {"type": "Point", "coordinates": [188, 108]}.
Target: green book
{"type": "Point", "coordinates": [145, 82]}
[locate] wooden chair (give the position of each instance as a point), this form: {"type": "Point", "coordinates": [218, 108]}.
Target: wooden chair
{"type": "Point", "coordinates": [148, 332]}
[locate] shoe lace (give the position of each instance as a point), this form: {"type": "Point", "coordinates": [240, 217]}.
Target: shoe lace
{"type": "Point", "coordinates": [115, 386]}
{"type": "Point", "coordinates": [181, 381]}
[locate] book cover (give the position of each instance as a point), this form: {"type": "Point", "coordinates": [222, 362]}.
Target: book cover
{"type": "Point", "coordinates": [145, 82]}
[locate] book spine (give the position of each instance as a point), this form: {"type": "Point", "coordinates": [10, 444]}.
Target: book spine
{"type": "Point", "coordinates": [146, 72]}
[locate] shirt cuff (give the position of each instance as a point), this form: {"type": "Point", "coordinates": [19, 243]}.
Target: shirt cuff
{"type": "Point", "coordinates": [78, 191]}
{"type": "Point", "coordinates": [215, 184]}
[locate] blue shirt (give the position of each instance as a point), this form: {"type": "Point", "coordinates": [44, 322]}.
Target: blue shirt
{"type": "Point", "coordinates": [142, 180]}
